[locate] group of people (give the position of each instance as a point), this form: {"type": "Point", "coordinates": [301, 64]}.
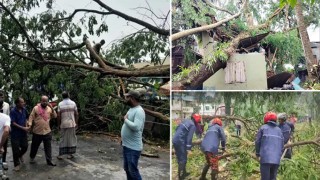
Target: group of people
{"type": "Point", "coordinates": [269, 144]}
{"type": "Point", "coordinates": [18, 124]}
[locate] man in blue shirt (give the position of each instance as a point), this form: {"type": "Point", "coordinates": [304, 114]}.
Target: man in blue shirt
{"type": "Point", "coordinates": [182, 142]}
{"type": "Point", "coordinates": [131, 135]}
{"type": "Point", "coordinates": [210, 145]}
{"type": "Point", "coordinates": [19, 130]}
{"type": "Point", "coordinates": [269, 146]}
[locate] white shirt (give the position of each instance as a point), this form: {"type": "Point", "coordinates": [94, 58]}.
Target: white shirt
{"type": "Point", "coordinates": [4, 121]}
{"type": "Point", "coordinates": [6, 108]}
{"type": "Point", "coordinates": [67, 108]}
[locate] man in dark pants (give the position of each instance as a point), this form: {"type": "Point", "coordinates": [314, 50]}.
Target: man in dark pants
{"type": "Point", "coordinates": [210, 145]}
{"type": "Point", "coordinates": [182, 142]}
{"type": "Point", "coordinates": [287, 129]}
{"type": "Point", "coordinates": [19, 138]}
{"type": "Point", "coordinates": [131, 135]}
{"type": "Point", "coordinates": [269, 145]}
{"type": "Point", "coordinates": [41, 132]}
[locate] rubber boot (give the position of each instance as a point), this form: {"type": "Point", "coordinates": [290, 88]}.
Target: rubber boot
{"type": "Point", "coordinates": [214, 175]}
{"type": "Point", "coordinates": [184, 171]}
{"type": "Point", "coordinates": [204, 172]}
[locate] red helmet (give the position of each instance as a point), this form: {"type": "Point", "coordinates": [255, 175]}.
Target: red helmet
{"type": "Point", "coordinates": [216, 121]}
{"type": "Point", "coordinates": [196, 117]}
{"type": "Point", "coordinates": [270, 116]}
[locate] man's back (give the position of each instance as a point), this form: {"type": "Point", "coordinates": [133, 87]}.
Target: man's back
{"type": "Point", "coordinates": [4, 121]}
{"type": "Point", "coordinates": [67, 107]}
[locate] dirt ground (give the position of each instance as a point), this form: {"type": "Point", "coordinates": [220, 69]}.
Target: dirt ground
{"type": "Point", "coordinates": [97, 157]}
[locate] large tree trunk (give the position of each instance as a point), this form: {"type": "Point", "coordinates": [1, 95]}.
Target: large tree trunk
{"type": "Point", "coordinates": [310, 60]}
{"type": "Point", "coordinates": [196, 78]}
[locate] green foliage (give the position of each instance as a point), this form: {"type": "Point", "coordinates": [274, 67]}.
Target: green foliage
{"type": "Point", "coordinates": [288, 45]}
{"type": "Point", "coordinates": [217, 54]}
{"type": "Point", "coordinates": [293, 3]}
{"type": "Point", "coordinates": [88, 89]}
{"type": "Point", "coordinates": [183, 74]}
{"type": "Point", "coordinates": [252, 106]}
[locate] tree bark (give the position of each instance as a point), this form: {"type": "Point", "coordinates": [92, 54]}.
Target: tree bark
{"type": "Point", "coordinates": [304, 37]}
{"type": "Point", "coordinates": [195, 79]}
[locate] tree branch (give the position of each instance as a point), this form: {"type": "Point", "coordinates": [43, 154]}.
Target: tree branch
{"type": "Point", "coordinates": [24, 32]}
{"type": "Point", "coordinates": [82, 10]}
{"type": "Point", "coordinates": [217, 7]}
{"type": "Point", "coordinates": [206, 27]}
{"type": "Point", "coordinates": [135, 20]}
{"type": "Point", "coordinates": [60, 49]}
{"type": "Point", "coordinates": [148, 111]}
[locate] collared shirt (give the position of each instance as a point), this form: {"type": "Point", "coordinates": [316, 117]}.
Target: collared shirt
{"type": "Point", "coordinates": [67, 108]}
{"type": "Point", "coordinates": [4, 121]}
{"type": "Point", "coordinates": [19, 118]}
{"type": "Point", "coordinates": [41, 126]}
{"type": "Point", "coordinates": [5, 108]}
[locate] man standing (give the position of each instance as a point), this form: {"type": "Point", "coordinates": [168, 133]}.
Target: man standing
{"type": "Point", "coordinates": [269, 146]}
{"type": "Point", "coordinates": [5, 109]}
{"type": "Point", "coordinates": [40, 118]}
{"type": "Point", "coordinates": [210, 145]}
{"type": "Point", "coordinates": [287, 130]}
{"type": "Point", "coordinates": [4, 134]}
{"type": "Point", "coordinates": [238, 127]}
{"type": "Point", "coordinates": [131, 135]}
{"type": "Point", "coordinates": [19, 131]}
{"type": "Point", "coordinates": [182, 142]}
{"type": "Point", "coordinates": [68, 123]}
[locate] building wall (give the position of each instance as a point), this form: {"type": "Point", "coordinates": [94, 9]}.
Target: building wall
{"type": "Point", "coordinates": [255, 67]}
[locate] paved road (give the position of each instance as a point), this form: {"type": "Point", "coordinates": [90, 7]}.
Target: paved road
{"type": "Point", "coordinates": [98, 157]}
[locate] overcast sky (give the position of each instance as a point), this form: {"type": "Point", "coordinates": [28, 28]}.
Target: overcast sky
{"type": "Point", "coordinates": [117, 26]}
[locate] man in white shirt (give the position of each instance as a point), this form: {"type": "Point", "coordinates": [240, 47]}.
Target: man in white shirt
{"type": "Point", "coordinates": [68, 123]}
{"type": "Point", "coordinates": [5, 109]}
{"type": "Point", "coordinates": [4, 132]}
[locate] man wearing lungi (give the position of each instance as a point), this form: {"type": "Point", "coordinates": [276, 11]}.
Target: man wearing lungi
{"type": "Point", "coordinates": [68, 123]}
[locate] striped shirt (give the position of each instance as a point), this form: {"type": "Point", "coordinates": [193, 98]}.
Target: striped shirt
{"type": "Point", "coordinates": [67, 108]}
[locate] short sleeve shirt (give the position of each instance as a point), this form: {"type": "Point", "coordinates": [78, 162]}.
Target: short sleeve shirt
{"type": "Point", "coordinates": [67, 108]}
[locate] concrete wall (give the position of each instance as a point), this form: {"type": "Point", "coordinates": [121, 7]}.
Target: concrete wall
{"type": "Point", "coordinates": [255, 67]}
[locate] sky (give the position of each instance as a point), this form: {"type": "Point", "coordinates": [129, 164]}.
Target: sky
{"type": "Point", "coordinates": [118, 27]}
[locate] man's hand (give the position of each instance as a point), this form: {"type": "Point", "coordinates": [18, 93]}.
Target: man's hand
{"type": "Point", "coordinates": [125, 117]}
{"type": "Point", "coordinates": [27, 129]}
{"type": "Point", "coordinates": [1, 150]}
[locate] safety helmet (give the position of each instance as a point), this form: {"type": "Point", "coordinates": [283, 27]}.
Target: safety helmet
{"type": "Point", "coordinates": [270, 116]}
{"type": "Point", "coordinates": [282, 116]}
{"type": "Point", "coordinates": [196, 117]}
{"type": "Point", "coordinates": [216, 121]}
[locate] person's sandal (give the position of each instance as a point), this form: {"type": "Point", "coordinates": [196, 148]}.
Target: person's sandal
{"type": "Point", "coordinates": [59, 157]}
{"type": "Point", "coordinates": [70, 156]}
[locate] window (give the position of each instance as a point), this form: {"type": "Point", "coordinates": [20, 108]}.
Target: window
{"type": "Point", "coordinates": [207, 108]}
{"type": "Point", "coordinates": [235, 72]}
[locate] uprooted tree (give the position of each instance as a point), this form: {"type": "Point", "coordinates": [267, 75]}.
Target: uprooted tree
{"type": "Point", "coordinates": [240, 162]}
{"type": "Point", "coordinates": [48, 52]}
{"type": "Point", "coordinates": [229, 22]}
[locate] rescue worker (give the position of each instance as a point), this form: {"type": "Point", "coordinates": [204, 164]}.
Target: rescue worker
{"type": "Point", "coordinates": [269, 145]}
{"type": "Point", "coordinates": [210, 145]}
{"type": "Point", "coordinates": [287, 129]}
{"type": "Point", "coordinates": [182, 142]}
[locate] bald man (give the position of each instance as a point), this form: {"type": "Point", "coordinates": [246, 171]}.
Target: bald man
{"type": "Point", "coordinates": [39, 120]}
